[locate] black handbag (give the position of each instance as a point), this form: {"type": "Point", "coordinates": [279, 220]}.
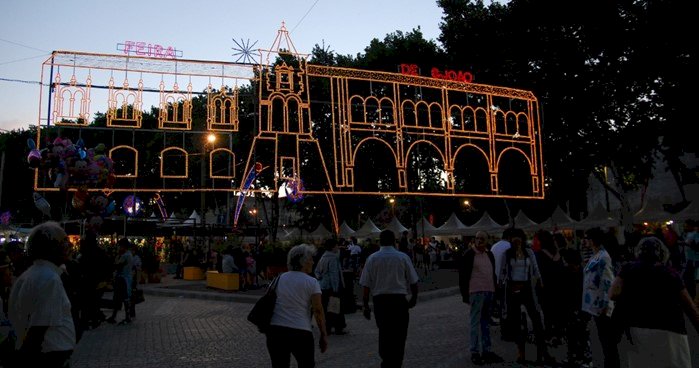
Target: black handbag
{"type": "Point", "coordinates": [261, 313]}
{"type": "Point", "coordinates": [137, 296]}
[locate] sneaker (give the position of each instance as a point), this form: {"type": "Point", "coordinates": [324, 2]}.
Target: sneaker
{"type": "Point", "coordinates": [491, 358]}
{"type": "Point", "coordinates": [477, 359]}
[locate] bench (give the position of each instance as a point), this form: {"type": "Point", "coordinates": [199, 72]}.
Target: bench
{"type": "Point", "coordinates": [193, 273]}
{"type": "Point", "coordinates": [223, 281]}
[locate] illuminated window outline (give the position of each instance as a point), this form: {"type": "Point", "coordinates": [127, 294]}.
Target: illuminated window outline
{"type": "Point", "coordinates": [211, 164]}
{"type": "Point", "coordinates": [135, 167]}
{"type": "Point", "coordinates": [186, 163]}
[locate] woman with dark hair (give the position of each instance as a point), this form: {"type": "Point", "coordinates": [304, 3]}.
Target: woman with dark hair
{"type": "Point", "coordinates": [519, 276]}
{"type": "Point", "coordinates": [290, 331]}
{"type": "Point", "coordinates": [329, 275]}
{"type": "Point", "coordinates": [654, 301]}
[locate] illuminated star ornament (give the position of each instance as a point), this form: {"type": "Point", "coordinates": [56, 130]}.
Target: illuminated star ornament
{"type": "Point", "coordinates": [244, 51]}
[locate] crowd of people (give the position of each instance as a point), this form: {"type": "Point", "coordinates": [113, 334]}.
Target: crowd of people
{"type": "Point", "coordinates": [52, 292]}
{"type": "Point", "coordinates": [542, 289]}
{"type": "Point", "coordinates": [558, 290]}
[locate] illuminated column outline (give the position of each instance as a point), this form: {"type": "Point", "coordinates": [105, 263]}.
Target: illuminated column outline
{"type": "Point", "coordinates": [175, 108]}
{"type": "Point", "coordinates": [75, 94]}
{"type": "Point", "coordinates": [128, 101]}
{"type": "Point", "coordinates": [222, 110]}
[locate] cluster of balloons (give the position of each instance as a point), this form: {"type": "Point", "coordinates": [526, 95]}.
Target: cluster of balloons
{"type": "Point", "coordinates": [72, 164]}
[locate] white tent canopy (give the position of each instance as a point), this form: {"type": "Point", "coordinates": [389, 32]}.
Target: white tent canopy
{"type": "Point", "coordinates": [320, 233]}
{"type": "Point", "coordinates": [172, 219]}
{"type": "Point", "coordinates": [525, 223]}
{"type": "Point", "coordinates": [486, 223]}
{"type": "Point", "coordinates": [559, 220]}
{"type": "Point", "coordinates": [345, 230]}
{"type": "Point", "coordinates": [396, 227]}
{"type": "Point", "coordinates": [691, 212]}
{"type": "Point", "coordinates": [652, 210]}
{"type": "Point", "coordinates": [598, 217]}
{"type": "Point", "coordinates": [368, 229]}
{"type": "Point", "coordinates": [453, 226]}
{"type": "Point", "coordinates": [424, 228]}
{"type": "Point", "coordinates": [193, 219]}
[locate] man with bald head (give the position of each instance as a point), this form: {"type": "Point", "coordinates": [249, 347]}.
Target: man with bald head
{"type": "Point", "coordinates": [477, 284]}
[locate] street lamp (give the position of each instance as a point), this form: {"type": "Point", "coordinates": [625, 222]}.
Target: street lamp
{"type": "Point", "coordinates": [208, 145]}
{"type": "Point", "coordinates": [211, 138]}
{"type": "Point", "coordinates": [392, 201]}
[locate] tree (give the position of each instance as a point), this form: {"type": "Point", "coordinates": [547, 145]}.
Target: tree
{"type": "Point", "coordinates": [603, 108]}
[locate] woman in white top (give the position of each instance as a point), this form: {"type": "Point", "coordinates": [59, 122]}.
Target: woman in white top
{"type": "Point", "coordinates": [298, 297]}
{"type": "Point", "coordinates": [519, 277]}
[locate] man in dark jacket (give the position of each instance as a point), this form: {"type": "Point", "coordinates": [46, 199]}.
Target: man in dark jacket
{"type": "Point", "coordinates": [477, 284]}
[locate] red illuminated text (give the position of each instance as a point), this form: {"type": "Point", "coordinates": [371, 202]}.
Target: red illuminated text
{"type": "Point", "coordinates": [453, 75]}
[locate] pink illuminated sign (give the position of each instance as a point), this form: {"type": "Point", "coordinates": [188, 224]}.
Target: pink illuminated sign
{"type": "Point", "coordinates": [141, 48]}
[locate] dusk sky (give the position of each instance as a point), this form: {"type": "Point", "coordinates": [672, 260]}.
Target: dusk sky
{"type": "Point", "coordinates": [202, 30]}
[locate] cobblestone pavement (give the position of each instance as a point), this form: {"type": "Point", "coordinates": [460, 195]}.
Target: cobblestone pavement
{"type": "Point", "coordinates": [178, 331]}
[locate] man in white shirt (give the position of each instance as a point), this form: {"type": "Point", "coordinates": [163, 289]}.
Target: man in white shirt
{"type": "Point", "coordinates": [388, 275]}
{"type": "Point", "coordinates": [355, 251]}
{"type": "Point", "coordinates": [228, 262]}
{"type": "Point", "coordinates": [498, 249]}
{"type": "Point", "coordinates": [39, 308]}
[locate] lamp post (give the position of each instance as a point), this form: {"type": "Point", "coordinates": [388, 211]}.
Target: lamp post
{"type": "Point", "coordinates": [253, 213]}
{"type": "Point", "coordinates": [207, 146]}
{"type": "Point", "coordinates": [392, 201]}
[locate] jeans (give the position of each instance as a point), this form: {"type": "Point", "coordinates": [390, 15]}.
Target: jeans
{"type": "Point", "coordinates": [481, 303]}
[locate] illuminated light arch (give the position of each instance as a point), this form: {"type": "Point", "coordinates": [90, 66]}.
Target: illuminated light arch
{"type": "Point", "coordinates": [223, 153]}
{"type": "Point", "coordinates": [511, 123]}
{"type": "Point", "coordinates": [470, 145]}
{"type": "Point", "coordinates": [117, 149]}
{"type": "Point", "coordinates": [520, 153]}
{"type": "Point", "coordinates": [445, 164]}
{"type": "Point", "coordinates": [163, 156]}
{"type": "Point", "coordinates": [490, 178]}
{"type": "Point", "coordinates": [469, 118]}
{"type": "Point", "coordinates": [396, 171]}
{"type": "Point", "coordinates": [439, 150]}
{"type": "Point", "coordinates": [359, 145]}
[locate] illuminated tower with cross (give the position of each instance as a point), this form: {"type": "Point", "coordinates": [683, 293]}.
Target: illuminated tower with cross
{"type": "Point", "coordinates": [285, 144]}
